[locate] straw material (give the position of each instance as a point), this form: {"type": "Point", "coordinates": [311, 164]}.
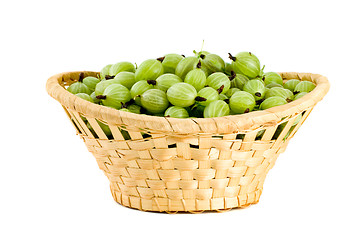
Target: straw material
{"type": "Point", "coordinates": [193, 165]}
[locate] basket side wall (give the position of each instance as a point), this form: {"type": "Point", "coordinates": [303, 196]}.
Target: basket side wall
{"type": "Point", "coordinates": [168, 172]}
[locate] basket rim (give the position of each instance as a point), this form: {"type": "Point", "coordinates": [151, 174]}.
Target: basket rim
{"type": "Point", "coordinates": [217, 125]}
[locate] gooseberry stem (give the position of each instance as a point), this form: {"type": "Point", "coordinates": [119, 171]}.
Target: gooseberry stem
{"type": "Point", "coordinates": [152, 82]}
{"type": "Point", "coordinates": [202, 45]}
{"type": "Point", "coordinates": [101, 96]}
{"type": "Point", "coordinates": [161, 59]}
{"type": "Point", "coordinates": [200, 99]}
{"type": "Point", "coordinates": [220, 90]}
{"type": "Point", "coordinates": [233, 75]}
{"type": "Point", "coordinates": [231, 57]}
{"type": "Point", "coordinates": [81, 76]}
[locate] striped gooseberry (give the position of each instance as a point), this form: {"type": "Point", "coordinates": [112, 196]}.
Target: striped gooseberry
{"type": "Point", "coordinates": [216, 108]}
{"type": "Point", "coordinates": [196, 77]}
{"type": "Point", "coordinates": [176, 112]}
{"type": "Point", "coordinates": [115, 96]}
{"type": "Point", "coordinates": [281, 92]}
{"type": "Point", "coordinates": [206, 95]}
{"type": "Point", "coordinates": [150, 69]}
{"type": "Point", "coordinates": [219, 81]}
{"type": "Point", "coordinates": [165, 81]}
{"type": "Point", "coordinates": [139, 88]}
{"type": "Point", "coordinates": [291, 84]}
{"type": "Point", "coordinates": [127, 79]}
{"type": "Point", "coordinates": [170, 62]}
{"type": "Point", "coordinates": [79, 86]}
{"type": "Point", "coordinates": [182, 94]}
{"type": "Point", "coordinates": [242, 102]}
{"type": "Point", "coordinates": [246, 63]}
{"type": "Point", "coordinates": [272, 77]}
{"type": "Point", "coordinates": [185, 65]}
{"type": "Point", "coordinates": [154, 101]}
{"type": "Point", "coordinates": [85, 97]}
{"type": "Point", "coordinates": [304, 86]}
{"type": "Point", "coordinates": [272, 102]}
{"type": "Point", "coordinates": [121, 67]}
{"type": "Point", "coordinates": [256, 88]}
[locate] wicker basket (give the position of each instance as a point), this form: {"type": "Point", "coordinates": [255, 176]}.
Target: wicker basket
{"type": "Point", "coordinates": [189, 165]}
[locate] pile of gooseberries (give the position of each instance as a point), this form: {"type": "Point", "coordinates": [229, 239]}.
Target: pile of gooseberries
{"type": "Point", "coordinates": [202, 85]}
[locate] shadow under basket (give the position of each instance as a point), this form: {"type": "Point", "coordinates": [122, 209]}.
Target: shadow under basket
{"type": "Point", "coordinates": [188, 165]}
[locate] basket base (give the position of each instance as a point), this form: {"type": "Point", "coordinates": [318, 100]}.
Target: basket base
{"type": "Point", "coordinates": [186, 205]}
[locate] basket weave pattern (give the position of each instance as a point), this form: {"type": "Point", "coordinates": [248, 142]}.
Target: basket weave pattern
{"type": "Point", "coordinates": [186, 164]}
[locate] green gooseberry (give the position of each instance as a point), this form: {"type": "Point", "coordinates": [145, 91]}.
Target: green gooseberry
{"type": "Point", "coordinates": [216, 108]}
{"type": "Point", "coordinates": [200, 53]}
{"type": "Point", "coordinates": [273, 84]}
{"type": "Point", "coordinates": [165, 81]}
{"type": "Point", "coordinates": [176, 112]}
{"type": "Point", "coordinates": [242, 102]}
{"type": "Point", "coordinates": [212, 63]}
{"type": "Point", "coordinates": [182, 94]}
{"type": "Point", "coordinates": [150, 69]}
{"type": "Point", "coordinates": [105, 71]}
{"type": "Point", "coordinates": [246, 63]}
{"type": "Point", "coordinates": [256, 88]}
{"type": "Point", "coordinates": [185, 65]}
{"type": "Point", "coordinates": [170, 62]}
{"type": "Point", "coordinates": [272, 77]}
{"type": "Point", "coordinates": [206, 95]}
{"type": "Point", "coordinates": [139, 88]}
{"type": "Point", "coordinates": [121, 67]}
{"type": "Point", "coordinates": [231, 91]}
{"type": "Point", "coordinates": [94, 99]}
{"type": "Point", "coordinates": [154, 101]}
{"type": "Point", "coordinates": [238, 80]}
{"type": "Point", "coordinates": [291, 84]}
{"type": "Point", "coordinates": [299, 95]}
{"type": "Point", "coordinates": [281, 92]}
{"type": "Point", "coordinates": [228, 68]}
{"type": "Point", "coordinates": [101, 86]}
{"type": "Point", "coordinates": [304, 86]}
{"type": "Point", "coordinates": [115, 96]}
{"type": "Point", "coordinates": [79, 86]}
{"type": "Point", "coordinates": [247, 54]}
{"type": "Point", "coordinates": [272, 102]}
{"type": "Point", "coordinates": [196, 77]}
{"type": "Point", "coordinates": [91, 82]}
{"type": "Point", "coordinates": [219, 81]}
{"type": "Point", "coordinates": [127, 79]}
{"type": "Point", "coordinates": [222, 97]}
{"type": "Point", "coordinates": [134, 108]}
{"type": "Point", "coordinates": [85, 96]}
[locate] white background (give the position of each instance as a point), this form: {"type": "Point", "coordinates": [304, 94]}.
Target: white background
{"type": "Point", "coordinates": [50, 185]}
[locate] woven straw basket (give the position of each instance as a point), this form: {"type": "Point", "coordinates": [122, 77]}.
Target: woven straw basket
{"type": "Point", "coordinates": [191, 165]}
